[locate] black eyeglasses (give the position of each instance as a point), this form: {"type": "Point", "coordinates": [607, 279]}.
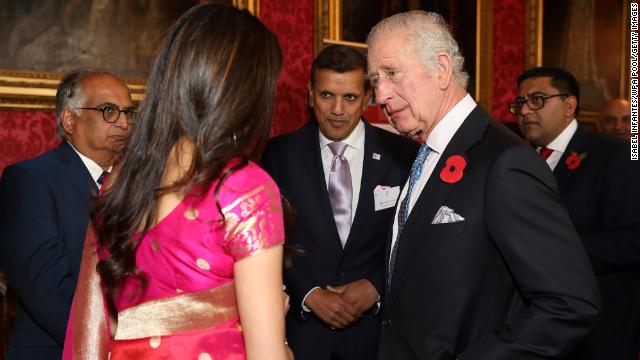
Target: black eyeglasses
{"type": "Point", "coordinates": [111, 112]}
{"type": "Point", "coordinates": [535, 102]}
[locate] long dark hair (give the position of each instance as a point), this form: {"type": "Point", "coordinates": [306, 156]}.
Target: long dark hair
{"type": "Point", "coordinates": [212, 82]}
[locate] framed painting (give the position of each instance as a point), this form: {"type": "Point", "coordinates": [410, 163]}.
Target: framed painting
{"type": "Point", "coordinates": [41, 40]}
{"type": "Point", "coordinates": [349, 22]}
{"type": "Point", "coordinates": [588, 39]}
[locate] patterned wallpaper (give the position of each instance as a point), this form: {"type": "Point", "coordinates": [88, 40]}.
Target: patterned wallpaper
{"type": "Point", "coordinates": [25, 134]}
{"type": "Point", "coordinates": [292, 22]}
{"type": "Point", "coordinates": [508, 55]}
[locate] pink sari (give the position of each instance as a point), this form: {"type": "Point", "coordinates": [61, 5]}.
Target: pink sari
{"type": "Point", "coordinates": [189, 308]}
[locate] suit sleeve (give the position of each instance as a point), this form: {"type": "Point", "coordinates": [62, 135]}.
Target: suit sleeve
{"type": "Point", "coordinates": [376, 278]}
{"type": "Point", "coordinates": [33, 255]}
{"type": "Point", "coordinates": [533, 232]}
{"type": "Point", "coordinates": [615, 246]}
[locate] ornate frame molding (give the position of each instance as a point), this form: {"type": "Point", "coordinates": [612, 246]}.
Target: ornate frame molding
{"type": "Point", "coordinates": [252, 5]}
{"type": "Point", "coordinates": [36, 90]}
{"type": "Point", "coordinates": [484, 53]}
{"type": "Point", "coordinates": [534, 22]}
{"type": "Point", "coordinates": [533, 33]}
{"type": "Point", "coordinates": [328, 31]}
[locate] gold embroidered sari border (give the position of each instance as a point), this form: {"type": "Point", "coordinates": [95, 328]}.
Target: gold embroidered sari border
{"type": "Point", "coordinates": [182, 313]}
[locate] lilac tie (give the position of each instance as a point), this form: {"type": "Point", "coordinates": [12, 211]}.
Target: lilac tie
{"type": "Point", "coordinates": [340, 192]}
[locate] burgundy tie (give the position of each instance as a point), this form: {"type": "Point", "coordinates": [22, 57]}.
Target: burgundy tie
{"type": "Point", "coordinates": [102, 177]}
{"type": "Point", "coordinates": [545, 152]}
{"type": "Point", "coordinates": [340, 191]}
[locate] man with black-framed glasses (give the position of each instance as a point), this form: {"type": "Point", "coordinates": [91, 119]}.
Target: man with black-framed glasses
{"type": "Point", "coordinates": [45, 204]}
{"type": "Point", "coordinates": [597, 181]}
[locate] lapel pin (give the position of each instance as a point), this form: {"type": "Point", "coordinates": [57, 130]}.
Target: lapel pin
{"type": "Point", "coordinates": [376, 156]}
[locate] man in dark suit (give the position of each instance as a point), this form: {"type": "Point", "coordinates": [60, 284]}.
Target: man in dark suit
{"type": "Point", "coordinates": [615, 118]}
{"type": "Point", "coordinates": [45, 204]}
{"type": "Point", "coordinates": [483, 261]}
{"type": "Point", "coordinates": [598, 183]}
{"type": "Point", "coordinates": [341, 176]}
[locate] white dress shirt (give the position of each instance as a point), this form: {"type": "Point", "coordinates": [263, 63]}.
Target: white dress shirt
{"type": "Point", "coordinates": [438, 140]}
{"type": "Point", "coordinates": [95, 170]}
{"type": "Point", "coordinates": [354, 153]}
{"type": "Point", "coordinates": [560, 143]}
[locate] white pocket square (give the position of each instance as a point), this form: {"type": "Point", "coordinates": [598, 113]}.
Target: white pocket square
{"type": "Point", "coordinates": [446, 215]}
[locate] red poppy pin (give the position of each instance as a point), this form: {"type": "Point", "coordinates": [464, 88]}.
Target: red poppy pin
{"type": "Point", "coordinates": [452, 171]}
{"type": "Point", "coordinates": [573, 161]}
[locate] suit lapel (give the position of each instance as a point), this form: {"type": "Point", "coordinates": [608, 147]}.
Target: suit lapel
{"type": "Point", "coordinates": [372, 173]}
{"type": "Point", "coordinates": [75, 170]}
{"type": "Point", "coordinates": [432, 197]}
{"type": "Point", "coordinates": [578, 144]}
{"type": "Point", "coordinates": [315, 172]}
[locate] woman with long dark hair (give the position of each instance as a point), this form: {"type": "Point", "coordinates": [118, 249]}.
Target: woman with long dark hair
{"type": "Point", "coordinates": [189, 231]}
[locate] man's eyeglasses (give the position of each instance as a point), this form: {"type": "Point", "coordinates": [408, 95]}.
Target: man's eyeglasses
{"type": "Point", "coordinates": [111, 112]}
{"type": "Point", "coordinates": [535, 102]}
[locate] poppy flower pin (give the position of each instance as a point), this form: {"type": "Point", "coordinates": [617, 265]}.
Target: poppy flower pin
{"type": "Point", "coordinates": [573, 161]}
{"type": "Point", "coordinates": [453, 169]}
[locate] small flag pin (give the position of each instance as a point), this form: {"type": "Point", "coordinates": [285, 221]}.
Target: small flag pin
{"type": "Point", "coordinates": [376, 156]}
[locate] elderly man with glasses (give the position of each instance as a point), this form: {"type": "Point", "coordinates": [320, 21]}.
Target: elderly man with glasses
{"type": "Point", "coordinates": [45, 204]}
{"type": "Point", "coordinates": [598, 183]}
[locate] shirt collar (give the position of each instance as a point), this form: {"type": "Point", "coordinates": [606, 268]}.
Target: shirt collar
{"type": "Point", "coordinates": [354, 140]}
{"type": "Point", "coordinates": [94, 169]}
{"type": "Point", "coordinates": [561, 141]}
{"type": "Point", "coordinates": [443, 131]}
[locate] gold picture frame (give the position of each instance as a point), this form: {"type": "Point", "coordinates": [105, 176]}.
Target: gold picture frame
{"type": "Point", "coordinates": [329, 31]}
{"type": "Point", "coordinates": [535, 51]}
{"type": "Point", "coordinates": [36, 90]}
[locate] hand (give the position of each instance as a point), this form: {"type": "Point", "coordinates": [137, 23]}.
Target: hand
{"type": "Point", "coordinates": [332, 308]}
{"type": "Point", "coordinates": [361, 294]}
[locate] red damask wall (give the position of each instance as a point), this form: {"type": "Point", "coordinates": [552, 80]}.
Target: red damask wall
{"type": "Point", "coordinates": [292, 22]}
{"type": "Point", "coordinates": [508, 55]}
{"type": "Point", "coordinates": [25, 134]}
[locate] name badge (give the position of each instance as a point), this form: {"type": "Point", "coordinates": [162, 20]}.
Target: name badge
{"type": "Point", "coordinates": [385, 197]}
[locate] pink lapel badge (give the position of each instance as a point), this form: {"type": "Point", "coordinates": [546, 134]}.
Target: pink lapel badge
{"type": "Point", "coordinates": [453, 169]}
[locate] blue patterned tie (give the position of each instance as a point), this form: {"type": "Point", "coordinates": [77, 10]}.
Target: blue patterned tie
{"type": "Point", "coordinates": [403, 213]}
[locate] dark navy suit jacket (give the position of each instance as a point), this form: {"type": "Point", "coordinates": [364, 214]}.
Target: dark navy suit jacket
{"type": "Point", "coordinates": [44, 211]}
{"type": "Point", "coordinates": [511, 281]}
{"type": "Point", "coordinates": [603, 200]}
{"type": "Point", "coordinates": [295, 163]}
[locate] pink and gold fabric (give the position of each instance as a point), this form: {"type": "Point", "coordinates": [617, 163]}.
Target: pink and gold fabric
{"type": "Point", "coordinates": [188, 310]}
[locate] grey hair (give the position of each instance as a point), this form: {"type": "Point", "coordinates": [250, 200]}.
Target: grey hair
{"type": "Point", "coordinates": [70, 93]}
{"type": "Point", "coordinates": [431, 36]}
